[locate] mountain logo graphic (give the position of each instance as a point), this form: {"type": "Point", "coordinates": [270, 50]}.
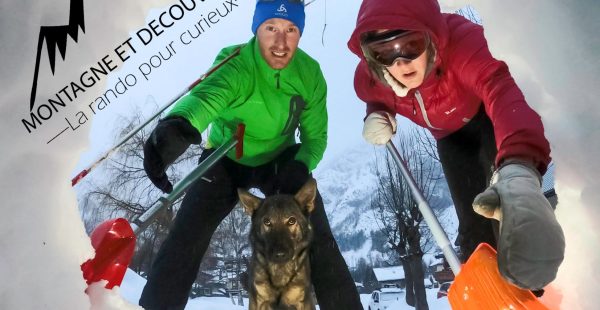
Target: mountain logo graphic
{"type": "Point", "coordinates": [282, 9]}
{"type": "Point", "coordinates": [56, 36]}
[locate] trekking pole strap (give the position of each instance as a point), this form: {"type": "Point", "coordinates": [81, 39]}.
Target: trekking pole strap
{"type": "Point", "coordinates": [434, 225]}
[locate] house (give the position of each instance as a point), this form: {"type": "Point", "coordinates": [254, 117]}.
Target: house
{"type": "Point", "coordinates": [441, 270]}
{"type": "Point", "coordinates": [437, 264]}
{"type": "Point", "coordinates": [390, 276]}
{"type": "Point", "coordinates": [221, 279]}
{"type": "Point", "coordinates": [212, 285]}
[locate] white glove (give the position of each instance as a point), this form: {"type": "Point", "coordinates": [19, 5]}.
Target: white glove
{"type": "Point", "coordinates": [379, 127]}
{"type": "Point", "coordinates": [531, 243]}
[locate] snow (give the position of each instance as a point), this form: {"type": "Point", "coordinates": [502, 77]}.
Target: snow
{"type": "Point", "coordinates": [389, 273]}
{"type": "Point", "coordinates": [352, 257]}
{"type": "Point", "coordinates": [550, 46]}
{"type": "Point", "coordinates": [103, 299]}
{"type": "Point", "coordinates": [126, 297]}
{"type": "Point", "coordinates": [347, 192]}
{"type": "Point", "coordinates": [432, 300]}
{"type": "Point", "coordinates": [449, 221]}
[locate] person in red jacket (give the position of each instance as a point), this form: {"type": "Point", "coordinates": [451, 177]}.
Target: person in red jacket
{"type": "Point", "coordinates": [437, 70]}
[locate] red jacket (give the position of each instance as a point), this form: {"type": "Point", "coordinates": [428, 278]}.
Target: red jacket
{"type": "Point", "coordinates": [464, 75]}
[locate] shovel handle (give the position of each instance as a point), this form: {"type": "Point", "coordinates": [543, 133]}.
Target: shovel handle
{"type": "Point", "coordinates": [239, 136]}
{"type": "Point", "coordinates": [434, 225]}
{"type": "Point", "coordinates": [144, 220]}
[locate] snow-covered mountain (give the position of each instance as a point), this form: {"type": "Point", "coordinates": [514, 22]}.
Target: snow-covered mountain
{"type": "Point", "coordinates": [347, 182]}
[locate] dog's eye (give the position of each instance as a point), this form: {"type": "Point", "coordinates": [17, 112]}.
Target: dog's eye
{"type": "Point", "coordinates": [267, 222]}
{"type": "Point", "coordinates": [291, 221]}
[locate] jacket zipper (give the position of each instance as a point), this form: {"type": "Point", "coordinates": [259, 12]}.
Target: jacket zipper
{"type": "Point", "coordinates": [423, 112]}
{"type": "Point", "coordinates": [277, 77]}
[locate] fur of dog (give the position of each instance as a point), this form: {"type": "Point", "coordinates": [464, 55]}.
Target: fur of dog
{"type": "Point", "coordinates": [280, 237]}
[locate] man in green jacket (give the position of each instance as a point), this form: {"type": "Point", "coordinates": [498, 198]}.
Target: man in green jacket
{"type": "Point", "coordinates": [272, 87]}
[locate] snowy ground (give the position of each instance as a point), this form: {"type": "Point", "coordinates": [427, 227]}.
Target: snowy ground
{"type": "Point", "coordinates": [432, 301]}
{"type": "Point", "coordinates": [133, 284]}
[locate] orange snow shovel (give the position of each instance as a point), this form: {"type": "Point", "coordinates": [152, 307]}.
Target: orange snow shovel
{"type": "Point", "coordinates": [478, 284]}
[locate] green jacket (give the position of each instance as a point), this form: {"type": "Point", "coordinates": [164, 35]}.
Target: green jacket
{"type": "Point", "coordinates": [272, 103]}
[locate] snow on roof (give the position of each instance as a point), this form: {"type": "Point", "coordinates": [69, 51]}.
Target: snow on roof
{"type": "Point", "coordinates": [391, 290]}
{"type": "Point", "coordinates": [389, 273]}
{"type": "Point", "coordinates": [431, 260]}
{"type": "Point", "coordinates": [437, 261]}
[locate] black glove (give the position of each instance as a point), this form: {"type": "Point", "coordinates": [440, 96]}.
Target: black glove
{"type": "Point", "coordinates": [170, 138]}
{"type": "Point", "coordinates": [291, 175]}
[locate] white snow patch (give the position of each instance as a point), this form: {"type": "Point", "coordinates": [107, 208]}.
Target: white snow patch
{"type": "Point", "coordinates": [389, 273]}
{"type": "Point", "coordinates": [105, 299]}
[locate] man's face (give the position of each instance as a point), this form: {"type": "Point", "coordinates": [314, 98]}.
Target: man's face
{"type": "Point", "coordinates": [278, 40]}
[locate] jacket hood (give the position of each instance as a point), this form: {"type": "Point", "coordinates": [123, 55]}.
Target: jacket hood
{"type": "Point", "coordinates": [422, 15]}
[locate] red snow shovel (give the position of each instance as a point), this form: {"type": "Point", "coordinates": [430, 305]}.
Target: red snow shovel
{"type": "Point", "coordinates": [114, 240]}
{"type": "Point", "coordinates": [478, 285]}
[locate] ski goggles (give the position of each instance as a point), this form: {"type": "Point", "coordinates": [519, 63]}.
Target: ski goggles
{"type": "Point", "coordinates": [387, 47]}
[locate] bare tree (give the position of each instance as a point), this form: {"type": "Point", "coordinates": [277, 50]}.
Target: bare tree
{"type": "Point", "coordinates": [230, 244]}
{"type": "Point", "coordinates": [231, 237]}
{"type": "Point", "coordinates": [470, 13]}
{"type": "Point", "coordinates": [398, 213]}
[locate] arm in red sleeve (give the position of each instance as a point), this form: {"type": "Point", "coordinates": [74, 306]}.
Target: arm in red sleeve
{"type": "Point", "coordinates": [518, 129]}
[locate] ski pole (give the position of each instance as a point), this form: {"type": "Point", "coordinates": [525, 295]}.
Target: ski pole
{"type": "Point", "coordinates": [132, 133]}
{"type": "Point", "coordinates": [436, 229]}
{"type": "Point", "coordinates": [143, 221]}
{"type": "Point", "coordinates": [477, 284]}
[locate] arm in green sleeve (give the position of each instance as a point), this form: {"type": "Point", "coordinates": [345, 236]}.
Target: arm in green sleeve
{"type": "Point", "coordinates": [205, 102]}
{"type": "Point", "coordinates": [313, 126]}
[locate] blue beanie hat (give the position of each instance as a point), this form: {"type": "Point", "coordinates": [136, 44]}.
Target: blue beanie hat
{"type": "Point", "coordinates": [292, 10]}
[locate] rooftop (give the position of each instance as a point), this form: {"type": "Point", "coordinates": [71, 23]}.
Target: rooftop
{"type": "Point", "coordinates": [389, 273]}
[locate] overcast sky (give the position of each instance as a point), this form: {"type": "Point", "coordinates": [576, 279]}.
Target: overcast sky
{"type": "Point", "coordinates": [550, 46]}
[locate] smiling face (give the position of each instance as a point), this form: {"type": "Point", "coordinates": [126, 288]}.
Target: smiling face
{"type": "Point", "coordinates": [278, 40]}
{"type": "Point", "coordinates": [410, 73]}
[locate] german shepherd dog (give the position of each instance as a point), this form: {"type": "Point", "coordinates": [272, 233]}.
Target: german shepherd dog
{"type": "Point", "coordinates": [280, 237]}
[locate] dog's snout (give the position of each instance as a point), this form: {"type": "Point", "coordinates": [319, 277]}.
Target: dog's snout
{"type": "Point", "coordinates": [280, 254]}
{"type": "Point", "coordinates": [280, 248]}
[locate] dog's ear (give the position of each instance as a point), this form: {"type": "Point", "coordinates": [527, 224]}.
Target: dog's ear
{"type": "Point", "coordinates": [249, 201]}
{"type": "Point", "coordinates": [306, 195]}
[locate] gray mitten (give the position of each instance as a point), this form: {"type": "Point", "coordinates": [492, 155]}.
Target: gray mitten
{"type": "Point", "coordinates": [531, 243]}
